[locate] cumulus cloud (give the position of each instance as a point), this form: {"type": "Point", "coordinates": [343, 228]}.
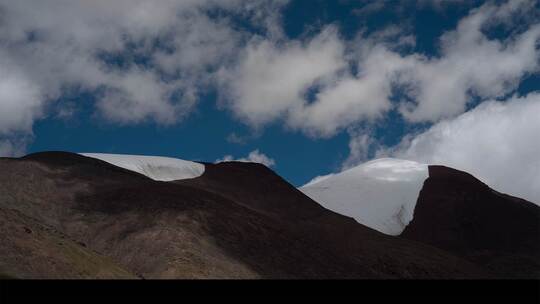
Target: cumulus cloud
{"type": "Point", "coordinates": [273, 77]}
{"type": "Point", "coordinates": [253, 157]}
{"type": "Point", "coordinates": [497, 142]}
{"type": "Point", "coordinates": [20, 99]}
{"type": "Point", "coordinates": [352, 98]}
{"type": "Point", "coordinates": [471, 65]}
{"type": "Point", "coordinates": [144, 62]}
{"type": "Point", "coordinates": [147, 62]}
{"type": "Point", "coordinates": [273, 80]}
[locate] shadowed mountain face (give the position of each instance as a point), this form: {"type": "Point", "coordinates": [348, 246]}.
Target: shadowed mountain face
{"type": "Point", "coordinates": [237, 220]}
{"type": "Point", "coordinates": [460, 214]}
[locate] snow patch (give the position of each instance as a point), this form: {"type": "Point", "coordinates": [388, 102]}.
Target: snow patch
{"type": "Point", "coordinates": [380, 194]}
{"type": "Point", "coordinates": [155, 167]}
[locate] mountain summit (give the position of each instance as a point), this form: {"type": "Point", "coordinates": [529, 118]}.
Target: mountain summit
{"type": "Point", "coordinates": [380, 194]}
{"type": "Point", "coordinates": [65, 215]}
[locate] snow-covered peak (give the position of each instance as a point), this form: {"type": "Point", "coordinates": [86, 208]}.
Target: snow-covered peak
{"type": "Point", "coordinates": [380, 194]}
{"type": "Point", "coordinates": [155, 167]}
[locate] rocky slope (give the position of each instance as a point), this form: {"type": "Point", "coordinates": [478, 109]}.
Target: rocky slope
{"type": "Point", "coordinates": [460, 214]}
{"type": "Point", "coordinates": [88, 218]}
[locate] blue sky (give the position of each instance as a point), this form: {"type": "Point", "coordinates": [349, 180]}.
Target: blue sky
{"type": "Point", "coordinates": [371, 77]}
{"type": "Point", "coordinates": [203, 135]}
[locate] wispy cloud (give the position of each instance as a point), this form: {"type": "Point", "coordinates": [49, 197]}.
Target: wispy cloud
{"type": "Point", "coordinates": [254, 157]}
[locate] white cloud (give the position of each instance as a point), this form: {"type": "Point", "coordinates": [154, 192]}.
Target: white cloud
{"type": "Point", "coordinates": [359, 145]}
{"type": "Point", "coordinates": [12, 147]}
{"type": "Point", "coordinates": [471, 65]}
{"type": "Point", "coordinates": [139, 94]}
{"type": "Point", "coordinates": [352, 98]}
{"type": "Point", "coordinates": [20, 99]}
{"type": "Point", "coordinates": [160, 57]}
{"type": "Point", "coordinates": [48, 46]}
{"type": "Point", "coordinates": [369, 8]}
{"type": "Point", "coordinates": [272, 79]}
{"type": "Point", "coordinates": [254, 157]}
{"type": "Point", "coordinates": [497, 142]}
{"type": "Point", "coordinates": [68, 38]}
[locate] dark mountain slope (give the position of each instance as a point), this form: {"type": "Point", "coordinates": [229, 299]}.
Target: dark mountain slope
{"type": "Point", "coordinates": [343, 239]}
{"type": "Point", "coordinates": [256, 226]}
{"type": "Point", "coordinates": [458, 213]}
{"type": "Point", "coordinates": [32, 250]}
{"type": "Point", "coordinates": [258, 188]}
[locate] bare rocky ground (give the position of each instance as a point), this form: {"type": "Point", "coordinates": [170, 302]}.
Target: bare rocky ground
{"type": "Point", "coordinates": [63, 215]}
{"type": "Point", "coordinates": [460, 214]}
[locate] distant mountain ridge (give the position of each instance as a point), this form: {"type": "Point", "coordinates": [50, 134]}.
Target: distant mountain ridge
{"type": "Point", "coordinates": [90, 219]}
